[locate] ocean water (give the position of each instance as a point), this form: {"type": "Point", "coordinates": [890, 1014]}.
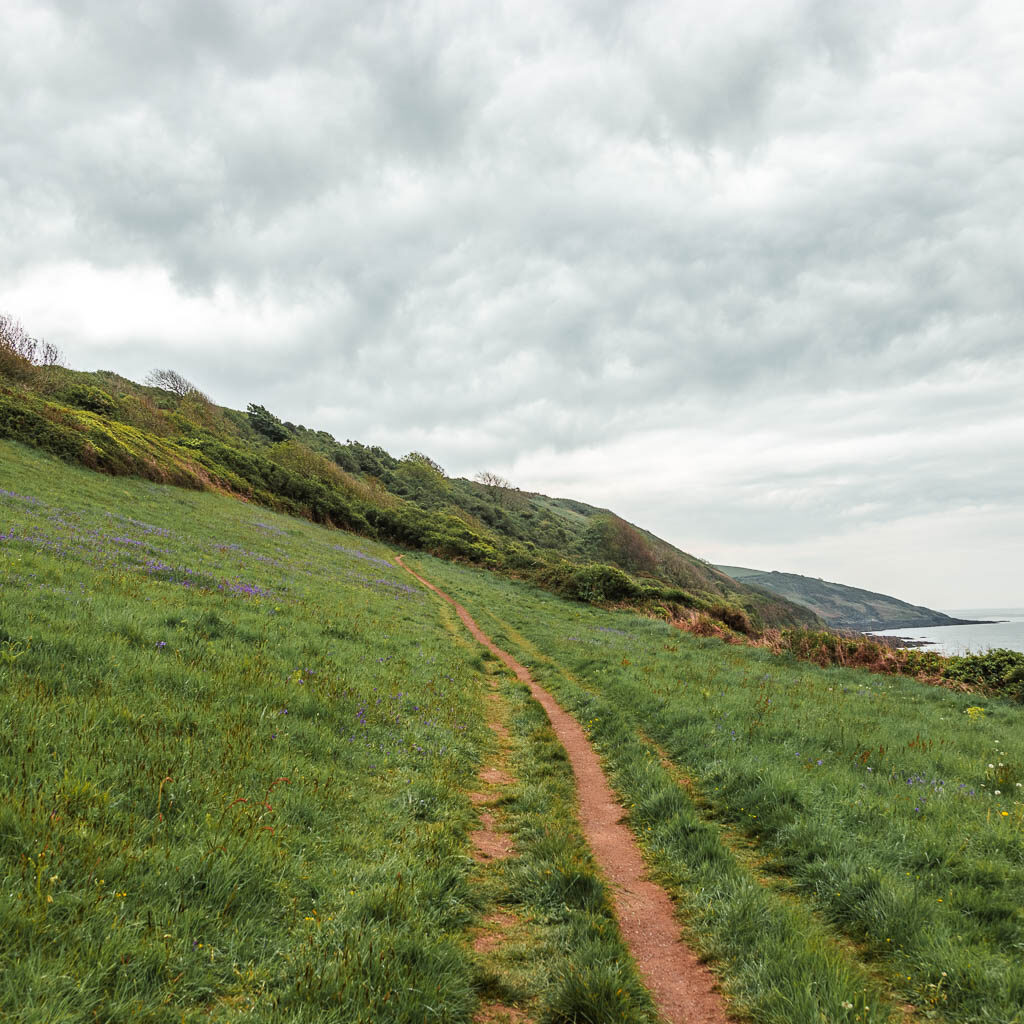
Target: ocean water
{"type": "Point", "coordinates": [970, 639]}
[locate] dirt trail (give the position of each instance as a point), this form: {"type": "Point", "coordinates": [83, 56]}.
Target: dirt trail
{"type": "Point", "coordinates": [682, 987]}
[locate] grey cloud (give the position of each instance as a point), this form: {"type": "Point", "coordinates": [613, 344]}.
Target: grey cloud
{"type": "Point", "coordinates": [552, 226]}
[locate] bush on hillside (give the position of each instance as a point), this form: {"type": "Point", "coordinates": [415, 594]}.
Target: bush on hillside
{"type": "Point", "coordinates": [296, 457]}
{"type": "Point", "coordinates": [266, 423]}
{"type": "Point", "coordinates": [613, 539]}
{"type": "Point", "coordinates": [370, 459]}
{"type": "Point", "coordinates": [421, 479]}
{"type": "Point", "coordinates": [13, 366]}
{"type": "Point", "coordinates": [85, 396]}
{"type": "Point", "coordinates": [602, 583]}
{"type": "Point", "coordinates": [999, 670]}
{"type": "Point", "coordinates": [15, 349]}
{"type": "Point", "coordinates": [21, 422]}
{"type": "Point", "coordinates": [20, 353]}
{"type": "Point", "coordinates": [733, 616]}
{"type": "Point", "coordinates": [172, 381]}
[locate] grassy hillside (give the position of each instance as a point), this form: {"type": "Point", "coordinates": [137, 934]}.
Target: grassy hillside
{"type": "Point", "coordinates": [235, 757]}
{"type": "Point", "coordinates": [175, 434]}
{"type": "Point", "coordinates": [841, 844]}
{"type": "Point", "coordinates": [237, 751]}
{"type": "Point", "coordinates": [840, 606]}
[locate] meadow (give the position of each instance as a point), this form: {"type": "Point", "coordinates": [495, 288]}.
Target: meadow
{"type": "Point", "coordinates": [235, 753]}
{"type": "Point", "coordinates": [845, 846]}
{"type": "Point", "coordinates": [237, 748]}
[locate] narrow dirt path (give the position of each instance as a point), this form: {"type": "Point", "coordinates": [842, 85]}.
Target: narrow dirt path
{"type": "Point", "coordinates": [682, 987]}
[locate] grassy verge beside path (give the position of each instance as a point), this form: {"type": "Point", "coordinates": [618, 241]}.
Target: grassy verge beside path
{"type": "Point", "coordinates": [233, 762]}
{"type": "Point", "coordinates": [891, 809]}
{"type": "Point", "coordinates": [567, 961]}
{"type": "Point", "coordinates": [580, 970]}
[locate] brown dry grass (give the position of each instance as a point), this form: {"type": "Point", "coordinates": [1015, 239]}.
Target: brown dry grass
{"type": "Point", "coordinates": [824, 648]}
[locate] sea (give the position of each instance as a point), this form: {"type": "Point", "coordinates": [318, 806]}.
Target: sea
{"type": "Point", "coordinates": [1007, 632]}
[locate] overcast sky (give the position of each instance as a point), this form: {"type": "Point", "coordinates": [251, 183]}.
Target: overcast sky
{"type": "Point", "coordinates": [749, 273]}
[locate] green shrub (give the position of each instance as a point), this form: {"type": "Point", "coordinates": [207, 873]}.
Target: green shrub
{"type": "Point", "coordinates": [21, 422]}
{"type": "Point", "coordinates": [14, 366]}
{"type": "Point", "coordinates": [1000, 670]}
{"type": "Point", "coordinates": [85, 396]}
{"type": "Point", "coordinates": [733, 616]}
{"type": "Point", "coordinates": [266, 423]}
{"type": "Point", "coordinates": [612, 538]}
{"type": "Point", "coordinates": [602, 583]}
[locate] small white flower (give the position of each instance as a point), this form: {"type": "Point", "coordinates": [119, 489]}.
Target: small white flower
{"type": "Point", "coordinates": [997, 792]}
{"type": "Point", "coordinates": [991, 766]}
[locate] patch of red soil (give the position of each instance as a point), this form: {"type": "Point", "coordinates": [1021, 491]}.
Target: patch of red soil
{"type": "Point", "coordinates": [497, 1013]}
{"type": "Point", "coordinates": [682, 987]}
{"type": "Point", "coordinates": [489, 844]}
{"type": "Point", "coordinates": [495, 777]}
{"type": "Point", "coordinates": [499, 923]}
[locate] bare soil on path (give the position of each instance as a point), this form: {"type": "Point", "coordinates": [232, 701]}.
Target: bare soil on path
{"type": "Point", "coordinates": [682, 987]}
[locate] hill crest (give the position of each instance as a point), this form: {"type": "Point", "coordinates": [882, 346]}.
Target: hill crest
{"type": "Point", "coordinates": [167, 430]}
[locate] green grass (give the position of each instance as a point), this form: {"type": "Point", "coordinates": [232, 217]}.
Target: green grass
{"type": "Point", "coordinates": [233, 757]}
{"type": "Point", "coordinates": [235, 751]}
{"type": "Point", "coordinates": [556, 883]}
{"type": "Point", "coordinates": [875, 857]}
{"type": "Point", "coordinates": [567, 961]}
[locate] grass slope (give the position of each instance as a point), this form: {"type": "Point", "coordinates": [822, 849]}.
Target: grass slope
{"type": "Point", "coordinates": [235, 750]}
{"type": "Point", "coordinates": [234, 765]}
{"type": "Point", "coordinates": [111, 424]}
{"type": "Point", "coordinates": [839, 843]}
{"type": "Point", "coordinates": [840, 606]}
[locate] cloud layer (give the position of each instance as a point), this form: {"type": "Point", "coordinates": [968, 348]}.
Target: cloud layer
{"type": "Point", "coordinates": [749, 273]}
